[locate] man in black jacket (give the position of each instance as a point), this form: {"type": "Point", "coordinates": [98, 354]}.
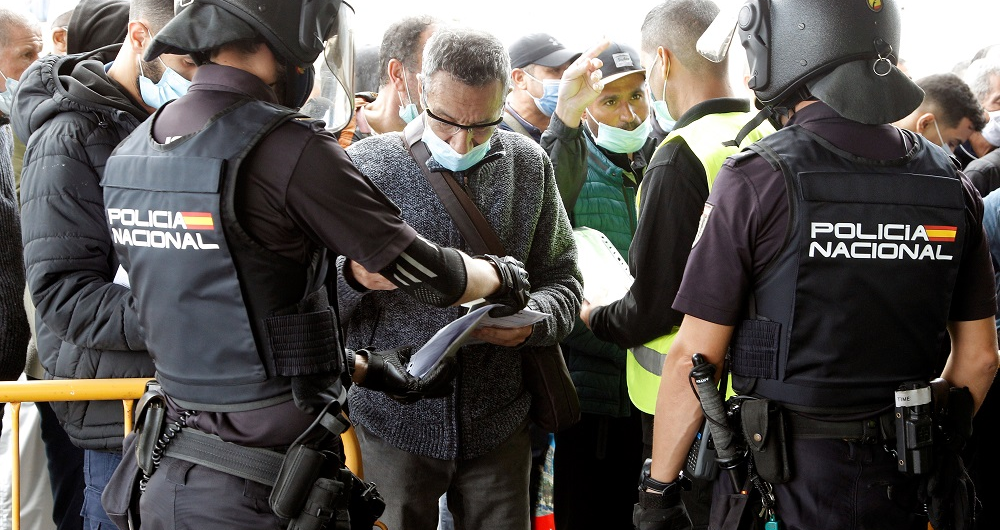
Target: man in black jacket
{"type": "Point", "coordinates": [72, 111]}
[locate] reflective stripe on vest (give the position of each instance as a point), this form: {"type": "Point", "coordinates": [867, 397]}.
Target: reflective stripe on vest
{"type": "Point", "coordinates": [705, 138]}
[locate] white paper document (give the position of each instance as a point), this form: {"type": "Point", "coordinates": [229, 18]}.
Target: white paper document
{"type": "Point", "coordinates": [450, 338]}
{"type": "Point", "coordinates": [606, 277]}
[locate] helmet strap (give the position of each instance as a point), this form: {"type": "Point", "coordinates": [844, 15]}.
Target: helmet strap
{"type": "Point", "coordinates": [765, 113]}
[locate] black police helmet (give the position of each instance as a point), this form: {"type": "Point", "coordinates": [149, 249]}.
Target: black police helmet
{"type": "Point", "coordinates": [296, 30]}
{"type": "Point", "coordinates": [843, 52]}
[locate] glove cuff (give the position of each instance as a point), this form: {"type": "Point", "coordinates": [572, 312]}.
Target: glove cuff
{"type": "Point", "coordinates": [503, 273]}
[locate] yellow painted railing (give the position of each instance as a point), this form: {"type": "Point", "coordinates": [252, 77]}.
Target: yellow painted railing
{"type": "Point", "coordinates": [126, 390]}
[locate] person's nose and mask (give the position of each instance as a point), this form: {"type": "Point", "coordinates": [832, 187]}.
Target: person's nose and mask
{"type": "Point", "coordinates": [550, 95]}
{"type": "Point", "coordinates": [170, 86]}
{"type": "Point", "coordinates": [447, 156]}
{"type": "Point", "coordinates": [623, 141]}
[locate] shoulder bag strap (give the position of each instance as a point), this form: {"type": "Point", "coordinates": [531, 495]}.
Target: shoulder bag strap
{"type": "Point", "coordinates": [474, 227]}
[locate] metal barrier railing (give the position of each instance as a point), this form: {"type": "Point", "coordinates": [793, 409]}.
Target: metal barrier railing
{"type": "Point", "coordinates": [126, 390]}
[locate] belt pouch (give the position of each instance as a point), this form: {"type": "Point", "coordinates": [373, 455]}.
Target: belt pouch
{"type": "Point", "coordinates": [299, 471]}
{"type": "Point", "coordinates": [149, 422]}
{"type": "Point", "coordinates": [766, 435]}
{"type": "Point", "coordinates": [120, 498]}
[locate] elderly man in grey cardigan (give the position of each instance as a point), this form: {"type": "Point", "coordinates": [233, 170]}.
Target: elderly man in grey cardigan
{"type": "Point", "coordinates": [472, 444]}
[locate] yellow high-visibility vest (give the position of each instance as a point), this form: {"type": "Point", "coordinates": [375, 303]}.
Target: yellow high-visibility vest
{"type": "Point", "coordinates": [705, 137]}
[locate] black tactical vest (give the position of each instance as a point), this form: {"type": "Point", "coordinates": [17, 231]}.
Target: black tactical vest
{"type": "Point", "coordinates": [857, 300]}
{"type": "Point", "coordinates": [227, 321]}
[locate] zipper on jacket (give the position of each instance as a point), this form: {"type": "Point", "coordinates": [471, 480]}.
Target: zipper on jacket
{"type": "Point", "coordinates": [630, 208]}
{"type": "Point", "coordinates": [101, 122]}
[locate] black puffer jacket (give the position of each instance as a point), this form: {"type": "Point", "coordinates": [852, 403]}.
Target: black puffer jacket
{"type": "Point", "coordinates": [72, 115]}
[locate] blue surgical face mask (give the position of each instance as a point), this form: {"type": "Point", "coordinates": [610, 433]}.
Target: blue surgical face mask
{"type": "Point", "coordinates": [450, 158]}
{"type": "Point", "coordinates": [170, 87]}
{"type": "Point", "coordinates": [7, 96]}
{"type": "Point", "coordinates": [550, 95]}
{"type": "Point", "coordinates": [660, 110]}
{"type": "Point", "coordinates": [408, 112]}
{"type": "Point", "coordinates": [621, 141]}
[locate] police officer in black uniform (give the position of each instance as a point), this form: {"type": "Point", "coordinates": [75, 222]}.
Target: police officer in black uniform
{"type": "Point", "coordinates": [226, 208]}
{"type": "Point", "coordinates": [836, 259]}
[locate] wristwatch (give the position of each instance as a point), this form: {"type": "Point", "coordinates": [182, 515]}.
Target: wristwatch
{"type": "Point", "coordinates": [667, 493]}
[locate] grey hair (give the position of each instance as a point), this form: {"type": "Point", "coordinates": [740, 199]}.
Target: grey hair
{"type": "Point", "coordinates": [978, 76]}
{"type": "Point", "coordinates": [401, 41]}
{"type": "Point", "coordinates": [677, 25]}
{"type": "Point", "coordinates": [474, 57]}
{"type": "Point", "coordinates": [10, 19]}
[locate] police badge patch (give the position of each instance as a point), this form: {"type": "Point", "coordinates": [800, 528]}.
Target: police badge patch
{"type": "Point", "coordinates": [702, 222]}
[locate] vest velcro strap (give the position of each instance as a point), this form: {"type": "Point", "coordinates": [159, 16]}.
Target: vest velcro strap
{"type": "Point", "coordinates": [250, 463]}
{"type": "Point", "coordinates": [755, 348]}
{"type": "Point", "coordinates": [304, 344]}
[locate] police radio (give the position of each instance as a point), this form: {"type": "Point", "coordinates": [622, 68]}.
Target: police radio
{"type": "Point", "coordinates": [701, 463]}
{"type": "Point", "coordinates": [914, 428]}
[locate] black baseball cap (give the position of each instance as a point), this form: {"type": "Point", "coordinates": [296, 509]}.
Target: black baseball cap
{"type": "Point", "coordinates": [619, 61]}
{"type": "Point", "coordinates": [541, 49]}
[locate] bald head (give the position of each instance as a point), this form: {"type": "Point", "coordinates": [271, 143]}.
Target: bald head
{"type": "Point", "coordinates": [20, 44]}
{"type": "Point", "coordinates": [14, 22]}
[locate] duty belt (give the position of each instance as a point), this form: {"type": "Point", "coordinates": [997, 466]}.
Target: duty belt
{"type": "Point", "coordinates": [869, 430]}
{"type": "Point", "coordinates": [250, 463]}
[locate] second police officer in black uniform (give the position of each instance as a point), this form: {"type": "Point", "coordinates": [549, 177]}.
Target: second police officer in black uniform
{"type": "Point", "coordinates": [226, 208]}
{"type": "Point", "coordinates": [837, 259]}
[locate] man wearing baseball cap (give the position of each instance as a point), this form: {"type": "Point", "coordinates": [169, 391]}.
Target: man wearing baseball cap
{"type": "Point", "coordinates": [599, 142]}
{"type": "Point", "coordinates": [537, 62]}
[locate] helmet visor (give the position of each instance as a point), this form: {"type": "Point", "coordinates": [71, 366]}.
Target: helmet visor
{"type": "Point", "coordinates": [714, 42]}
{"type": "Point", "coordinates": [332, 96]}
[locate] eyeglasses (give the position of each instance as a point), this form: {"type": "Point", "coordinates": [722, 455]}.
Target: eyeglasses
{"type": "Point", "coordinates": [447, 129]}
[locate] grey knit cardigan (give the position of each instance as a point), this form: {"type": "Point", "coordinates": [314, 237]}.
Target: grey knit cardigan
{"type": "Point", "coordinates": [515, 189]}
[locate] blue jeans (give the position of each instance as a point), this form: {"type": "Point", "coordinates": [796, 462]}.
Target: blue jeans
{"type": "Point", "coordinates": [97, 469]}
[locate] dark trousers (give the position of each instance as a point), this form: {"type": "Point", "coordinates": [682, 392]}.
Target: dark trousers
{"type": "Point", "coordinates": [596, 472]}
{"type": "Point", "coordinates": [185, 496]}
{"type": "Point", "coordinates": [65, 471]}
{"type": "Point", "coordinates": [840, 485]}
{"type": "Point", "coordinates": [489, 492]}
{"type": "Point", "coordinates": [980, 459]}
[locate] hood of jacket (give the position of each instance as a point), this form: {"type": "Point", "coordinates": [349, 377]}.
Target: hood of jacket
{"type": "Point", "coordinates": [56, 84]}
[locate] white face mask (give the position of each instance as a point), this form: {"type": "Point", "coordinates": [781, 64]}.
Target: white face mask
{"type": "Point", "coordinates": [7, 96]}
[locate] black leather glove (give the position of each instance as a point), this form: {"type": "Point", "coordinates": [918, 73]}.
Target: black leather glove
{"type": "Point", "coordinates": [514, 286]}
{"type": "Point", "coordinates": [387, 373]}
{"type": "Point", "coordinates": [661, 511]}
{"type": "Point", "coordinates": [660, 506]}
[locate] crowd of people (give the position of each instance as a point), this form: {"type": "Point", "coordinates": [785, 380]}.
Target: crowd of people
{"type": "Point", "coordinates": [183, 202]}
